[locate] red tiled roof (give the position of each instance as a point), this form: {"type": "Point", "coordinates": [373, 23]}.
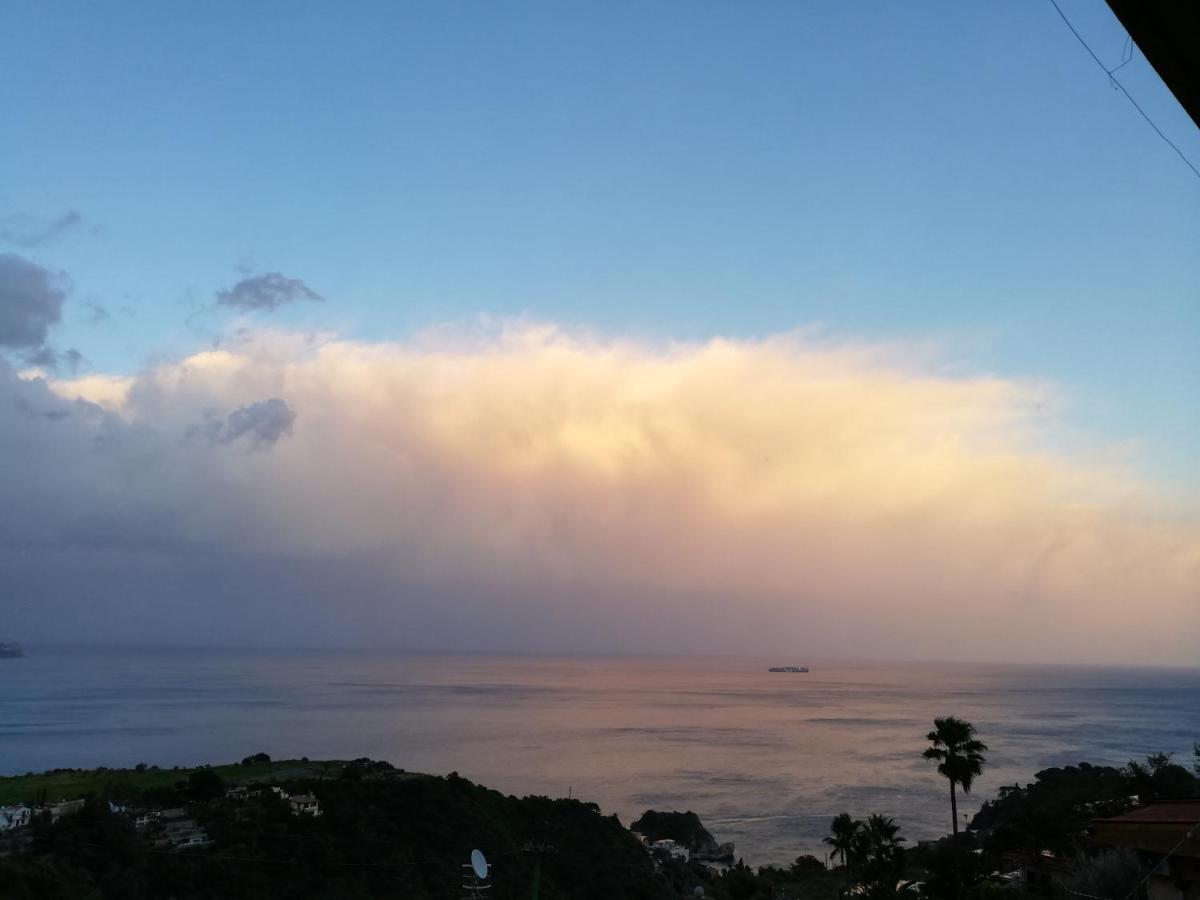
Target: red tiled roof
{"type": "Point", "coordinates": [1162, 812]}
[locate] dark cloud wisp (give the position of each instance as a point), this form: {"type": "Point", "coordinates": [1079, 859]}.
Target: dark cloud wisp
{"type": "Point", "coordinates": [27, 231]}
{"type": "Point", "coordinates": [262, 424]}
{"type": "Point", "coordinates": [31, 300]}
{"type": "Point", "coordinates": [266, 292]}
{"type": "Point", "coordinates": [58, 361]}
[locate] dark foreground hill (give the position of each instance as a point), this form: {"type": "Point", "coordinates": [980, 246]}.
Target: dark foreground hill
{"type": "Point", "coordinates": [379, 834]}
{"type": "Point", "coordinates": [363, 829]}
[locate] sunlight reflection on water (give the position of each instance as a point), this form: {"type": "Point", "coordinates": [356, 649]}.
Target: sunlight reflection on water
{"type": "Point", "coordinates": [765, 759]}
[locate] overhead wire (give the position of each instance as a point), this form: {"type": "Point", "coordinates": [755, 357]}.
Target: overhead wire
{"type": "Point", "coordinates": [1117, 84]}
{"type": "Point", "coordinates": [1187, 835]}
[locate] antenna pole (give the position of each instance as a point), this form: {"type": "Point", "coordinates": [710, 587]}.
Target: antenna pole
{"type": "Point", "coordinates": [476, 886]}
{"type": "Point", "coordinates": [537, 848]}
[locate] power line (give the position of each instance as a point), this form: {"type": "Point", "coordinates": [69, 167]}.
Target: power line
{"type": "Point", "coordinates": [1154, 868]}
{"type": "Point", "coordinates": [1113, 78]}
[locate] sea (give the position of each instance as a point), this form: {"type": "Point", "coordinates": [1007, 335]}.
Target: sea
{"type": "Point", "coordinates": [765, 759]}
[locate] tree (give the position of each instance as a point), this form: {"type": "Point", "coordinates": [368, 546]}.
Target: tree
{"type": "Point", "coordinates": [959, 755]}
{"type": "Point", "coordinates": [880, 856]}
{"type": "Point", "coordinates": [806, 864]}
{"type": "Point", "coordinates": [1160, 777]}
{"type": "Point", "coordinates": [944, 866]}
{"type": "Point", "coordinates": [842, 832]}
{"type": "Point", "coordinates": [881, 838]}
{"type": "Point", "coordinates": [205, 784]}
{"type": "Point", "coordinates": [1115, 873]}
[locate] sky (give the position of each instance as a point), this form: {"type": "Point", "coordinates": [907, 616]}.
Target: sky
{"type": "Point", "coordinates": [850, 329]}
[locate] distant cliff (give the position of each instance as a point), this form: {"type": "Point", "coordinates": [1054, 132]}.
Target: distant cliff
{"type": "Point", "coordinates": [684, 828]}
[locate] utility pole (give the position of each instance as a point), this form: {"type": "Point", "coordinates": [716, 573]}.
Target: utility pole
{"type": "Point", "coordinates": [473, 887]}
{"type": "Point", "coordinates": [537, 848]}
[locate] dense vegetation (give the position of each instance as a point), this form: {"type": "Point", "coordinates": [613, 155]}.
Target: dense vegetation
{"type": "Point", "coordinates": [64, 784]}
{"type": "Point", "coordinates": [386, 833]}
{"type": "Point", "coordinates": [380, 834]}
{"type": "Point", "coordinates": [1053, 811]}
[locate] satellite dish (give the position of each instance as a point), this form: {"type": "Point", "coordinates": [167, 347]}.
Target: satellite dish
{"type": "Point", "coordinates": [479, 864]}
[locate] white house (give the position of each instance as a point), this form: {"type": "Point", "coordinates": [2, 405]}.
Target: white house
{"type": "Point", "coordinates": [672, 848]}
{"type": "Point", "coordinates": [143, 819]}
{"type": "Point", "coordinates": [305, 805]}
{"type": "Point", "coordinates": [14, 817]}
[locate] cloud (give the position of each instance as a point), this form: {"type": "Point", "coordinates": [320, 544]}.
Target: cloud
{"type": "Point", "coordinates": [47, 358]}
{"type": "Point", "coordinates": [261, 424]}
{"type": "Point", "coordinates": [534, 489]}
{"type": "Point", "coordinates": [96, 312]}
{"type": "Point", "coordinates": [109, 392]}
{"type": "Point", "coordinates": [31, 299]}
{"type": "Point", "coordinates": [29, 232]}
{"type": "Point", "coordinates": [266, 292]}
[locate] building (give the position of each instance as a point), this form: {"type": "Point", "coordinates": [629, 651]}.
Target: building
{"type": "Point", "coordinates": [180, 831]}
{"type": "Point", "coordinates": [1043, 873]}
{"type": "Point", "coordinates": [64, 808]}
{"type": "Point", "coordinates": [13, 817]}
{"type": "Point", "coordinates": [1166, 834]}
{"type": "Point", "coordinates": [304, 805]}
{"type": "Point", "coordinates": [671, 848]}
{"type": "Point", "coordinates": [240, 793]}
{"type": "Point", "coordinates": [144, 818]}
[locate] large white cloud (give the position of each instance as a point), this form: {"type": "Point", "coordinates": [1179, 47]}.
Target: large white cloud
{"type": "Point", "coordinates": [531, 488]}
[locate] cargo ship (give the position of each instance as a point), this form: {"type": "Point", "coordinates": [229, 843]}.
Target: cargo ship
{"type": "Point", "coordinates": [10, 650]}
{"type": "Point", "coordinates": [788, 669]}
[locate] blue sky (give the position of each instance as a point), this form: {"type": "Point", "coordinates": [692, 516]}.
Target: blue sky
{"type": "Point", "coordinates": [960, 172]}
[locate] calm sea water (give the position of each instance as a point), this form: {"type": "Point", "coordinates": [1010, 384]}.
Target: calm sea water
{"type": "Point", "coordinates": [765, 759]}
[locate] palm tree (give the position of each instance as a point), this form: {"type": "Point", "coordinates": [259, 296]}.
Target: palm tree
{"type": "Point", "coordinates": [882, 838]}
{"type": "Point", "coordinates": [960, 758]}
{"type": "Point", "coordinates": [842, 833]}
{"type": "Point", "coordinates": [881, 857]}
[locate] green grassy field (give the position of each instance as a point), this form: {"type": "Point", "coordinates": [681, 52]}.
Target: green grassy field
{"type": "Point", "coordinates": [67, 785]}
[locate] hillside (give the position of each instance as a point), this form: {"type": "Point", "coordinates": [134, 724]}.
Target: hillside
{"type": "Point", "coordinates": [379, 833]}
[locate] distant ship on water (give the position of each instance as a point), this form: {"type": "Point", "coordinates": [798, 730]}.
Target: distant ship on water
{"type": "Point", "coordinates": [788, 669]}
{"type": "Point", "coordinates": [10, 650]}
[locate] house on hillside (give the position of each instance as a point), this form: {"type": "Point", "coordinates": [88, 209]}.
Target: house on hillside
{"type": "Point", "coordinates": [1042, 873]}
{"type": "Point", "coordinates": [240, 793]}
{"type": "Point", "coordinates": [144, 818]}
{"type": "Point", "coordinates": [179, 831]}
{"type": "Point", "coordinates": [304, 805]}
{"type": "Point", "coordinates": [1166, 835]}
{"type": "Point", "coordinates": [671, 848]}
{"type": "Point", "coordinates": [13, 817]}
{"type": "Point", "coordinates": [64, 808]}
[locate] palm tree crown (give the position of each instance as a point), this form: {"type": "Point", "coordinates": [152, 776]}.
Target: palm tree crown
{"type": "Point", "coordinates": [880, 856]}
{"type": "Point", "coordinates": [842, 832]}
{"type": "Point", "coordinates": [882, 837]}
{"type": "Point", "coordinates": [958, 752]}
